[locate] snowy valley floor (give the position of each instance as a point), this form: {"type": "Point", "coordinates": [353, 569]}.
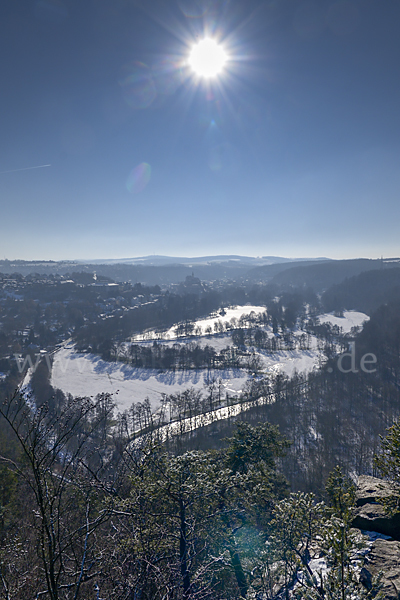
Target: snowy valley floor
{"type": "Point", "coordinates": [88, 375]}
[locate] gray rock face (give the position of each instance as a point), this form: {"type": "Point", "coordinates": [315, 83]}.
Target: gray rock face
{"type": "Point", "coordinates": [366, 578]}
{"type": "Point", "coordinates": [369, 514]}
{"type": "Point", "coordinates": [372, 517]}
{"type": "Point", "coordinates": [371, 490]}
{"type": "Point", "coordinates": [385, 556]}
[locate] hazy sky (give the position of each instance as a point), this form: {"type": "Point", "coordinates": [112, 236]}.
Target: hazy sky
{"type": "Point", "coordinates": [294, 149]}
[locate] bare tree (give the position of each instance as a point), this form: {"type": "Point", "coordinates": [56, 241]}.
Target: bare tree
{"type": "Point", "coordinates": [64, 471]}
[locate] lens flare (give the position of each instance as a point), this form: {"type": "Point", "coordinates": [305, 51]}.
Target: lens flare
{"type": "Point", "coordinates": [138, 178]}
{"type": "Point", "coordinates": [207, 58]}
{"type": "Point", "coordinates": [138, 88]}
{"type": "Point", "coordinates": [194, 9]}
{"type": "Point", "coordinates": [167, 76]}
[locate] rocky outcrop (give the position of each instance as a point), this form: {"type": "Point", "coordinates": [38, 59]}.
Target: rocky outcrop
{"type": "Point", "coordinates": [372, 517]}
{"type": "Point", "coordinates": [371, 490]}
{"type": "Point", "coordinates": [384, 554]}
{"type": "Point", "coordinates": [384, 557]}
{"type": "Point", "coordinates": [370, 514]}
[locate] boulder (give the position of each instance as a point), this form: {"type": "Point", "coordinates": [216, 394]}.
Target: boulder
{"type": "Point", "coordinates": [366, 578]}
{"type": "Point", "coordinates": [384, 556]}
{"type": "Point", "coordinates": [372, 517]}
{"type": "Point", "coordinates": [371, 490]}
{"type": "Point", "coordinates": [369, 514]}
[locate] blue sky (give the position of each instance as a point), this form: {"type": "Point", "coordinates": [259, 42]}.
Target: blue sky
{"type": "Point", "coordinates": [293, 150]}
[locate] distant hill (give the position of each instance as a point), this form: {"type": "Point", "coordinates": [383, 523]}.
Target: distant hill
{"type": "Point", "coordinates": [152, 270]}
{"type": "Point", "coordinates": [266, 273]}
{"type": "Point", "coordinates": [316, 273]}
{"type": "Point", "coordinates": [221, 259]}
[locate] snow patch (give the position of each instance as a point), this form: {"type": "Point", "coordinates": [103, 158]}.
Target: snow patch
{"type": "Point", "coordinates": [349, 320]}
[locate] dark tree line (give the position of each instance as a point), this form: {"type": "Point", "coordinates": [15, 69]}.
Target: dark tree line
{"type": "Point", "coordinates": [182, 356]}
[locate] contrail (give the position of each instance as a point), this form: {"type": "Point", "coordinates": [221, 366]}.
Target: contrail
{"type": "Point", "coordinates": [24, 169]}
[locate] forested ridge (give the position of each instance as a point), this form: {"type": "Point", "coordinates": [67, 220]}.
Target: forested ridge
{"type": "Point", "coordinates": [365, 292]}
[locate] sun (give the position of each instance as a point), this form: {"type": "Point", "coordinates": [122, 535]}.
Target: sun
{"type": "Point", "coordinates": [207, 58]}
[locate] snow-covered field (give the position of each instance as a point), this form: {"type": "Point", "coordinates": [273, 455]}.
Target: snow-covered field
{"type": "Point", "coordinates": [230, 313]}
{"type": "Point", "coordinates": [289, 361]}
{"type": "Point", "coordinates": [88, 374]}
{"type": "Point", "coordinates": [349, 320]}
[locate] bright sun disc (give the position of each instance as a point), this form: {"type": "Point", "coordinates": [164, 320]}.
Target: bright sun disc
{"type": "Point", "coordinates": [207, 58]}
